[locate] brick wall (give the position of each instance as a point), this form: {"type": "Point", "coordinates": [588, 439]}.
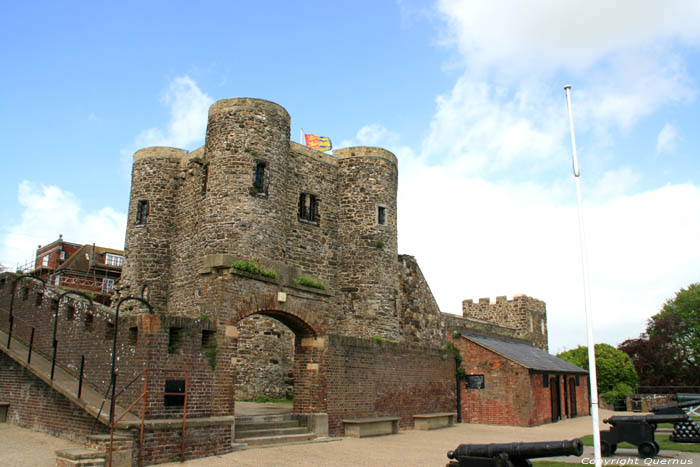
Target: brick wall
{"type": "Point", "coordinates": [35, 405]}
{"type": "Point", "coordinates": [369, 378]}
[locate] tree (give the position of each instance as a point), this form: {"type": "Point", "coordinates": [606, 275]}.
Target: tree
{"type": "Point", "coordinates": [614, 369]}
{"type": "Point", "coordinates": [668, 353]}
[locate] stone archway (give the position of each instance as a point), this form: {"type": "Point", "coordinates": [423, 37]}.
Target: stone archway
{"type": "Point", "coordinates": [307, 366]}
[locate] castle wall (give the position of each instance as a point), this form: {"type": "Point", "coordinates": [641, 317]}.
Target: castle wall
{"type": "Point", "coordinates": [526, 315]}
{"type": "Point", "coordinates": [366, 377]}
{"type": "Point", "coordinates": [420, 317]}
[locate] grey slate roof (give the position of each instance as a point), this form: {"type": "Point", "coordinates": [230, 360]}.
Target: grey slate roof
{"type": "Point", "coordinates": [523, 353]}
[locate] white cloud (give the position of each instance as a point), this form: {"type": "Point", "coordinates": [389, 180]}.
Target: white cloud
{"type": "Point", "coordinates": [188, 107]}
{"type": "Point", "coordinates": [667, 139]}
{"type": "Point", "coordinates": [481, 127]}
{"type": "Point", "coordinates": [474, 238]}
{"type": "Point", "coordinates": [541, 35]}
{"type": "Point", "coordinates": [49, 211]}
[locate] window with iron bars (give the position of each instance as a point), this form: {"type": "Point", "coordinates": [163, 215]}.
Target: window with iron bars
{"type": "Point", "coordinates": [308, 207]}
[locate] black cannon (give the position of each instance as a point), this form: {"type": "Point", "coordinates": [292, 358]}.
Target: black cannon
{"type": "Point", "coordinates": [636, 429]}
{"type": "Point", "coordinates": [511, 454]}
{"type": "Point", "coordinates": [686, 431]}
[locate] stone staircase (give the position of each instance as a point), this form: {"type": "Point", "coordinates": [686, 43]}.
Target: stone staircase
{"type": "Point", "coordinates": [262, 430]}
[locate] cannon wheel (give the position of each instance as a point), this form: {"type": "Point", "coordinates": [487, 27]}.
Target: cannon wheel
{"type": "Point", "coordinates": [656, 445]}
{"type": "Point", "coordinates": [606, 449]}
{"type": "Point", "coordinates": [647, 450]}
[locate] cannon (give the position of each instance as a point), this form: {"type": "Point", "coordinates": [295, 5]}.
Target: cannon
{"type": "Point", "coordinates": [686, 431]}
{"type": "Point", "coordinates": [511, 454]}
{"type": "Point", "coordinates": [635, 429]}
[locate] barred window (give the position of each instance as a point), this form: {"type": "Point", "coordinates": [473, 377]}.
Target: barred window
{"type": "Point", "coordinates": [141, 212]}
{"type": "Point", "coordinates": [259, 179]}
{"type": "Point", "coordinates": [308, 207]}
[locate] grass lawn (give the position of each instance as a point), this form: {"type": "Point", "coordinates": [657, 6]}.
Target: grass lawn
{"type": "Point", "coordinates": [664, 443]}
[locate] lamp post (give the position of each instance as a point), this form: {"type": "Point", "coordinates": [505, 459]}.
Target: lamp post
{"type": "Point", "coordinates": [54, 342]}
{"type": "Point", "coordinates": [114, 349]}
{"type": "Point", "coordinates": [12, 303]}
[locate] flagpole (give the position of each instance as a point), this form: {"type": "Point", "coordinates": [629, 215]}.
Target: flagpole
{"type": "Point", "coordinates": [586, 292]}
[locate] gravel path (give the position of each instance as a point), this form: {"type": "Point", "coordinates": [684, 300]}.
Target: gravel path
{"type": "Point", "coordinates": [20, 447]}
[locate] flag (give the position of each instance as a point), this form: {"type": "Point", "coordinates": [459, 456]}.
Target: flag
{"type": "Point", "coordinates": [322, 143]}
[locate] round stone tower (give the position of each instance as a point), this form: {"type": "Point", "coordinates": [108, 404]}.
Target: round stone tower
{"type": "Point", "coordinates": [368, 257]}
{"type": "Point", "coordinates": [246, 152]}
{"type": "Point", "coordinates": [146, 271]}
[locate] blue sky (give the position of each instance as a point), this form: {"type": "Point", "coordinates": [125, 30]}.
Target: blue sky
{"type": "Point", "coordinates": [467, 94]}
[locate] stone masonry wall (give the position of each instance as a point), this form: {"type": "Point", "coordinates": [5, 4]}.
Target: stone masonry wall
{"type": "Point", "coordinates": [265, 359]}
{"type": "Point", "coordinates": [526, 314]}
{"type": "Point", "coordinates": [420, 317]}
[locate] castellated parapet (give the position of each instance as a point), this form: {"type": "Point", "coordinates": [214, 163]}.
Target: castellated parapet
{"type": "Point", "coordinates": [525, 316]}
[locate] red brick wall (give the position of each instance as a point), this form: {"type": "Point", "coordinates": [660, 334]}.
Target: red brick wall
{"type": "Point", "coordinates": [369, 378]}
{"type": "Point", "coordinates": [506, 396]}
{"type": "Point", "coordinates": [35, 405]}
{"type": "Point", "coordinates": [512, 395]}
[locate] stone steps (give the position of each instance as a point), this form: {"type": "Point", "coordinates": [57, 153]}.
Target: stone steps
{"type": "Point", "coordinates": [243, 435]}
{"type": "Point", "coordinates": [268, 440]}
{"type": "Point", "coordinates": [262, 430]}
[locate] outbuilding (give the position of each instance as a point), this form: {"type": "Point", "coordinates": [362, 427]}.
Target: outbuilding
{"type": "Point", "coordinates": [511, 382]}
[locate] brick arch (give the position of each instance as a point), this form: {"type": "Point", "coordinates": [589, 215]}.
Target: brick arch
{"type": "Point", "coordinates": [295, 323]}
{"type": "Point", "coordinates": [305, 318]}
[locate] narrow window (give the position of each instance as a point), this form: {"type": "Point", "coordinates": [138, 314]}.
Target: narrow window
{"type": "Point", "coordinates": [70, 313]}
{"type": "Point", "coordinates": [2, 282]}
{"type": "Point", "coordinates": [89, 321]}
{"type": "Point", "coordinates": [141, 212]}
{"type": "Point", "coordinates": [205, 178]}
{"type": "Point", "coordinates": [381, 215]}
{"type": "Point", "coordinates": [25, 293]}
{"type": "Point", "coordinates": [259, 178]}
{"type": "Point", "coordinates": [39, 299]}
{"type": "Point", "coordinates": [133, 335]}
{"type": "Point", "coordinates": [308, 207]}
{"type": "Point", "coordinates": [174, 340]}
{"type": "Point", "coordinates": [109, 331]}
{"type": "Point", "coordinates": [207, 338]}
{"type": "Point", "coordinates": [63, 255]}
{"type": "Point", "coordinates": [545, 381]}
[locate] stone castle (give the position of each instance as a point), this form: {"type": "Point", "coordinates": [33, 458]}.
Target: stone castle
{"type": "Point", "coordinates": [250, 192]}
{"type": "Point", "coordinates": [267, 264]}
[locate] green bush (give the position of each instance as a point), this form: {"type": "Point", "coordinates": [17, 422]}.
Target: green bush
{"type": "Point", "coordinates": [612, 366]}
{"type": "Point", "coordinates": [252, 266]}
{"type": "Point", "coordinates": [309, 281]}
{"type": "Point", "coordinates": [616, 396]}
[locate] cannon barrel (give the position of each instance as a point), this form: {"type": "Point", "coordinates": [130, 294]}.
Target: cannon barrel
{"type": "Point", "coordinates": [674, 406]}
{"type": "Point", "coordinates": [519, 450]}
{"type": "Point", "coordinates": [666, 418]}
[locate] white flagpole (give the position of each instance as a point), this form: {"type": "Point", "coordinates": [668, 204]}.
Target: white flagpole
{"type": "Point", "coordinates": [586, 293]}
